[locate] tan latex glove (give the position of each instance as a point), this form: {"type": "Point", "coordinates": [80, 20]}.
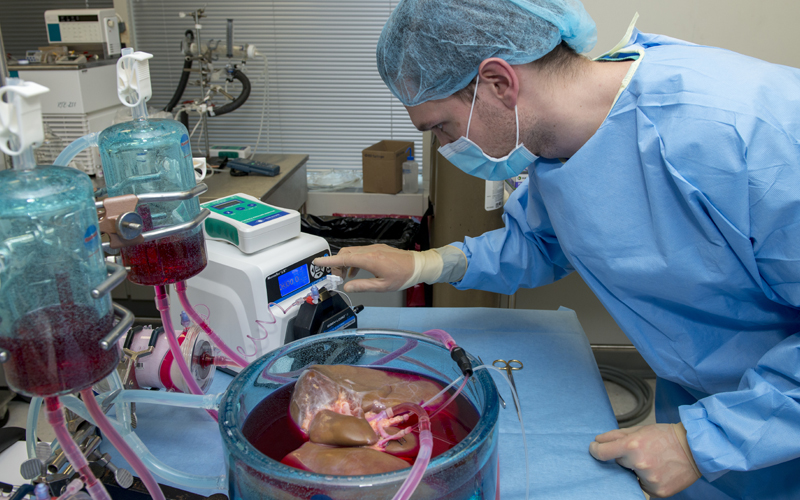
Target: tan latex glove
{"type": "Point", "coordinates": [659, 454]}
{"type": "Point", "coordinates": [394, 269]}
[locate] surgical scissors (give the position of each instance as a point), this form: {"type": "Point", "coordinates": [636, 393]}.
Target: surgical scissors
{"type": "Point", "coordinates": [509, 367]}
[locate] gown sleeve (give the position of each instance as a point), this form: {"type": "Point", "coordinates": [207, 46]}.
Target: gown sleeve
{"type": "Point", "coordinates": [758, 425]}
{"type": "Point", "coordinates": [524, 253]}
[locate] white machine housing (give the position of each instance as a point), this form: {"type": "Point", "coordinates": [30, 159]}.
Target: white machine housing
{"type": "Point", "coordinates": [80, 101]}
{"type": "Point", "coordinates": [237, 288]}
{"type": "Point", "coordinates": [84, 26]}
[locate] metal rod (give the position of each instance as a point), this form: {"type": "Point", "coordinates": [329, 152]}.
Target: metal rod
{"type": "Point", "coordinates": [179, 228]}
{"type": "Point", "coordinates": [117, 275]}
{"type": "Point", "coordinates": [3, 66]}
{"type": "Point", "coordinates": [120, 328]}
{"type": "Point", "coordinates": [170, 196]}
{"type": "Point", "coordinates": [173, 196]}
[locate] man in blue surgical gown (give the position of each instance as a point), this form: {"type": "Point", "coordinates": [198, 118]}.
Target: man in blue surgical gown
{"type": "Point", "coordinates": [667, 175]}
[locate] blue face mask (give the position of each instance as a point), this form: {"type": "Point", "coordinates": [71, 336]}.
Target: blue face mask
{"type": "Point", "coordinates": [470, 158]}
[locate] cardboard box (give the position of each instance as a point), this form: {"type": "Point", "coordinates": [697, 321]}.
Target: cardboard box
{"type": "Point", "coordinates": [382, 164]}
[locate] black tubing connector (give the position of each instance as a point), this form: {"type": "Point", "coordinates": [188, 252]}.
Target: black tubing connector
{"type": "Point", "coordinates": [187, 67]}
{"type": "Point", "coordinates": [236, 103]}
{"type": "Point", "coordinates": [459, 355]}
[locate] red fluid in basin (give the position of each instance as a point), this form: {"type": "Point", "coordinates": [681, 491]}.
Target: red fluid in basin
{"type": "Point", "coordinates": [56, 350]}
{"type": "Point", "coordinates": [166, 261]}
{"type": "Point", "coordinates": [270, 429]}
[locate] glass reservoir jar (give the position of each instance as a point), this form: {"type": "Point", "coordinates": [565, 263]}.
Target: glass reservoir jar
{"type": "Point", "coordinates": [50, 260]}
{"type": "Point", "coordinates": [469, 470]}
{"type": "Point", "coordinates": [146, 156]}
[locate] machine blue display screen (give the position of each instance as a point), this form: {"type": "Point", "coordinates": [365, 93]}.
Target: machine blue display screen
{"type": "Point", "coordinates": [292, 280]}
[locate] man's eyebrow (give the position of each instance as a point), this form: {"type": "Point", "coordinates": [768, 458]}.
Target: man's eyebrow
{"type": "Point", "coordinates": [426, 126]}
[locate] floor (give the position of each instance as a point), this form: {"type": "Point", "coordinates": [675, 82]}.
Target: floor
{"type": "Point", "coordinates": [622, 401]}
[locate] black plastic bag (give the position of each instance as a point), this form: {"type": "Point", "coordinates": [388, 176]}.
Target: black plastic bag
{"type": "Point", "coordinates": [342, 232]}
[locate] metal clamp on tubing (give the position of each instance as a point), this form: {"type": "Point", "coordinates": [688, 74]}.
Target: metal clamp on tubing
{"type": "Point", "coordinates": [125, 322]}
{"type": "Point", "coordinates": [4, 355]}
{"type": "Point", "coordinates": [116, 276]}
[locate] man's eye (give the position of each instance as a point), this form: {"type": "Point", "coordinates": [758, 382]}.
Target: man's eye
{"type": "Point", "coordinates": [440, 126]}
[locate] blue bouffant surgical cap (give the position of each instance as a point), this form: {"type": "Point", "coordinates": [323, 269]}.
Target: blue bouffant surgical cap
{"type": "Point", "coordinates": [430, 49]}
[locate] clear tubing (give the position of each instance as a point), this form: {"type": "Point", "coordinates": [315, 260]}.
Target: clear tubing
{"type": "Point", "coordinates": [56, 418]}
{"type": "Point", "coordinates": [25, 160]}
{"type": "Point", "coordinates": [74, 148]}
{"type": "Point", "coordinates": [127, 453]}
{"type": "Point", "coordinates": [30, 426]}
{"type": "Point", "coordinates": [139, 112]}
{"type": "Point", "coordinates": [522, 426]}
{"type": "Point", "coordinates": [425, 450]}
{"type": "Point", "coordinates": [72, 488]}
{"type": "Point", "coordinates": [158, 467]}
{"type": "Point", "coordinates": [223, 361]}
{"type": "Point", "coordinates": [454, 382]}
{"type": "Point", "coordinates": [203, 401]}
{"type": "Point", "coordinates": [443, 337]}
{"type": "Point", "coordinates": [452, 398]}
{"type": "Point", "coordinates": [180, 287]}
{"type": "Point", "coordinates": [124, 409]}
{"type": "Point", "coordinates": [162, 303]}
{"type": "Point", "coordinates": [410, 344]}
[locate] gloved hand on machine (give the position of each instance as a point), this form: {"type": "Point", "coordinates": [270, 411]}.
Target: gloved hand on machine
{"type": "Point", "coordinates": [395, 269]}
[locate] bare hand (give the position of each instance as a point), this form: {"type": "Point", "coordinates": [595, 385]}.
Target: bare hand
{"type": "Point", "coordinates": [658, 454]}
{"type": "Point", "coordinates": [391, 267]}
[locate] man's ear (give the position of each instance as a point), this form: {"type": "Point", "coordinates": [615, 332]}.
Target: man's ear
{"type": "Point", "coordinates": [502, 78]}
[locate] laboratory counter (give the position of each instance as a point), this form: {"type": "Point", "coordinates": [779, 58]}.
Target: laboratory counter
{"type": "Point", "coordinates": [563, 401]}
{"type": "Point", "coordinates": [288, 189]}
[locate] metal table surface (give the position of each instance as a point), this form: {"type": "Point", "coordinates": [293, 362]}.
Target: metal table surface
{"type": "Point", "coordinates": [563, 400]}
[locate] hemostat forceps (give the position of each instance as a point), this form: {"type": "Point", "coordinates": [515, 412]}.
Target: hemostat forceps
{"type": "Point", "coordinates": [509, 367]}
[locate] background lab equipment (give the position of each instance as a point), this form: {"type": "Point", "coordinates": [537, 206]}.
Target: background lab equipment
{"type": "Point", "coordinates": [82, 97]}
{"type": "Point", "coordinates": [213, 78]}
{"type": "Point", "coordinates": [84, 26]}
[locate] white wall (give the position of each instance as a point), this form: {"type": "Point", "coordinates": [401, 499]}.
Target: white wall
{"type": "Point", "coordinates": [767, 29]}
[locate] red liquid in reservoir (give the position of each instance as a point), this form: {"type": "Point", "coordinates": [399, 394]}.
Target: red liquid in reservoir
{"type": "Point", "coordinates": [56, 350]}
{"type": "Point", "coordinates": [270, 429]}
{"type": "Point", "coordinates": [168, 260]}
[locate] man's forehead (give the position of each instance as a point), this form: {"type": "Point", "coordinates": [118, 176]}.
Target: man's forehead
{"type": "Point", "coordinates": [430, 113]}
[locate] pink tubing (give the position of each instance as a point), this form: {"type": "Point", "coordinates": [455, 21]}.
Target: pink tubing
{"type": "Point", "coordinates": [127, 453]}
{"type": "Point", "coordinates": [55, 416]}
{"type": "Point", "coordinates": [425, 449]}
{"type": "Point", "coordinates": [443, 337]}
{"type": "Point", "coordinates": [162, 303]}
{"type": "Point", "coordinates": [180, 287]}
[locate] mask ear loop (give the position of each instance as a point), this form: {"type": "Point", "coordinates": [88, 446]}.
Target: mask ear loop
{"type": "Point", "coordinates": [472, 108]}
{"type": "Point", "coordinates": [516, 115]}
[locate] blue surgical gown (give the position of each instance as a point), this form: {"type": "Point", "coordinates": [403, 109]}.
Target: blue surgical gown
{"type": "Point", "coordinates": [682, 214]}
